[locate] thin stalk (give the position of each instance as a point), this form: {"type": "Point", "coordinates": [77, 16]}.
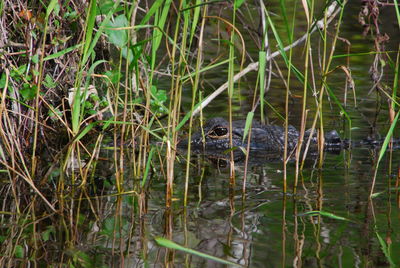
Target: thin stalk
{"type": "Point", "coordinates": [230, 96]}
{"type": "Point", "coordinates": [173, 116]}
{"type": "Point", "coordinates": [116, 128]}
{"type": "Point", "coordinates": [394, 119]}
{"type": "Point", "coordinates": [49, 10]}
{"type": "Point", "coordinates": [285, 152]}
{"type": "Point", "coordinates": [326, 63]}
{"type": "Point", "coordinates": [395, 81]}
{"type": "Point", "coordinates": [194, 92]}
{"type": "Point", "coordinates": [303, 116]}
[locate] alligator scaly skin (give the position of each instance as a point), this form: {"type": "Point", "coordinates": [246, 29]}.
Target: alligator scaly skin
{"type": "Point", "coordinates": [269, 138]}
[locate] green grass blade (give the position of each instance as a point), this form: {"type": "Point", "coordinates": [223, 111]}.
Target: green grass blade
{"type": "Point", "coordinates": [262, 58]}
{"type": "Point", "coordinates": [62, 52]}
{"type": "Point", "coordinates": [336, 100]}
{"type": "Point", "coordinates": [285, 20]}
{"type": "Point", "coordinates": [395, 80]}
{"type": "Point", "coordinates": [78, 105]}
{"type": "Point", "coordinates": [387, 138]}
{"type": "Point", "coordinates": [201, 4]}
{"type": "Point", "coordinates": [238, 3]}
{"type": "Point", "coordinates": [361, 54]}
{"type": "Point", "coordinates": [276, 112]}
{"type": "Point", "coordinates": [195, 20]}
{"type": "Point", "coordinates": [89, 29]}
{"type": "Point", "coordinates": [249, 121]}
{"type": "Point", "coordinates": [324, 214]}
{"type": "Point", "coordinates": [187, 117]}
{"type": "Point", "coordinates": [158, 30]}
{"type": "Point", "coordinates": [172, 245]}
{"type": "Point", "coordinates": [375, 195]}
{"type": "Point", "coordinates": [151, 132]}
{"type": "Point", "coordinates": [102, 27]}
{"type": "Point", "coordinates": [50, 8]}
{"type": "Point", "coordinates": [85, 131]}
{"type": "Point", "coordinates": [148, 164]}
{"type": "Point", "coordinates": [385, 249]}
{"type": "Point", "coordinates": [151, 11]}
{"type": "Point", "coordinates": [396, 6]}
{"type": "Point", "coordinates": [207, 68]}
{"type": "Point", "coordinates": [281, 48]}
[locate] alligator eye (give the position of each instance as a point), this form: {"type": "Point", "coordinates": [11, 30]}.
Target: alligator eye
{"type": "Point", "coordinates": [218, 133]}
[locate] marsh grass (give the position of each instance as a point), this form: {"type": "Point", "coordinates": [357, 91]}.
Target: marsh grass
{"type": "Point", "coordinates": [83, 93]}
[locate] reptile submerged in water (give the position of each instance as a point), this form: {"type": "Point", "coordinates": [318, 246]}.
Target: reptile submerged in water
{"type": "Point", "coordinates": [268, 138]}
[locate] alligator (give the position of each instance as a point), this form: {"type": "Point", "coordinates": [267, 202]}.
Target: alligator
{"type": "Point", "coordinates": [264, 138]}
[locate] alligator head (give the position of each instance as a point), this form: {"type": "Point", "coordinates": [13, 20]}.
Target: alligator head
{"type": "Point", "coordinates": [216, 136]}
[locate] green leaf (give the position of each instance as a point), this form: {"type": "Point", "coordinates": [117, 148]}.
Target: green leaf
{"type": "Point", "coordinates": [3, 80]}
{"type": "Point", "coordinates": [387, 138]}
{"type": "Point", "coordinates": [20, 71]}
{"type": "Point", "coordinates": [85, 131]}
{"type": "Point", "coordinates": [158, 31]}
{"type": "Point", "coordinates": [108, 228]}
{"type": "Point", "coordinates": [113, 75]}
{"type": "Point", "coordinates": [164, 242]}
{"type": "Point", "coordinates": [62, 52]}
{"type": "Point", "coordinates": [56, 11]}
{"type": "Point", "coordinates": [325, 214]}
{"type": "Point", "coordinates": [207, 68]}
{"type": "Point", "coordinates": [337, 101]}
{"type": "Point", "coordinates": [53, 111]}
{"type": "Point", "coordinates": [83, 259]}
{"type": "Point", "coordinates": [262, 58]}
{"type": "Point", "coordinates": [48, 82]}
{"type": "Point", "coordinates": [19, 251]}
{"type": "Point", "coordinates": [50, 8]}
{"type": "Point", "coordinates": [159, 95]}
{"type": "Point", "coordinates": [386, 250]}
{"type": "Point", "coordinates": [35, 58]}
{"type": "Point", "coordinates": [249, 121]}
{"type": "Point", "coordinates": [118, 37]}
{"type": "Point", "coordinates": [151, 11]}
{"type": "Point", "coordinates": [35, 73]}
{"type": "Point", "coordinates": [46, 234]}
{"type": "Point", "coordinates": [89, 30]}
{"type": "Point", "coordinates": [238, 3]}
{"type": "Point", "coordinates": [158, 99]}
{"type": "Point", "coordinates": [374, 195]}
{"type": "Point", "coordinates": [101, 29]}
{"type": "Point", "coordinates": [195, 19]}
{"type": "Point", "coordinates": [127, 53]}
{"type": "Point", "coordinates": [281, 47]}
{"type": "Point", "coordinates": [115, 227]}
{"type": "Point", "coordinates": [28, 92]}
{"type": "Point", "coordinates": [146, 171]}
{"type": "Point", "coordinates": [106, 6]}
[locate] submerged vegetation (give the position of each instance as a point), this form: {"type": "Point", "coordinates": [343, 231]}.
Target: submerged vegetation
{"type": "Point", "coordinates": [95, 96]}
